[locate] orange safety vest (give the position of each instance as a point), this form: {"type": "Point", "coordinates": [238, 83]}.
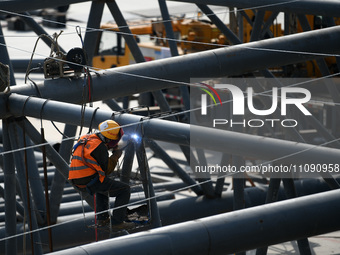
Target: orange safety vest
{"type": "Point", "coordinates": [82, 163]}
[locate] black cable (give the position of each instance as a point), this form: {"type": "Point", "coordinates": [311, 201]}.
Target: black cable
{"type": "Point", "coordinates": [93, 114]}
{"type": "Point", "coordinates": [83, 105]}
{"type": "Point", "coordinates": [29, 71]}
{"type": "Point", "coordinates": [35, 86]}
{"type": "Point", "coordinates": [82, 111]}
{"type": "Point", "coordinates": [54, 125]}
{"type": "Point", "coordinates": [23, 108]}
{"type": "Point", "coordinates": [41, 111]}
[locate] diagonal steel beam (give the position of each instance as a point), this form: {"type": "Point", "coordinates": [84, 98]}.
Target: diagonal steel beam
{"type": "Point", "coordinates": [39, 30]}
{"type": "Point", "coordinates": [234, 40]}
{"type": "Point", "coordinates": [325, 8]}
{"type": "Point", "coordinates": [93, 24]}
{"type": "Point", "coordinates": [135, 50]}
{"type": "Point", "coordinates": [321, 63]}
{"type": "Point", "coordinates": [172, 164]}
{"type": "Point", "coordinates": [268, 24]}
{"type": "Point", "coordinates": [221, 26]}
{"type": "Point", "coordinates": [173, 47]}
{"type": "Point", "coordinates": [257, 26]}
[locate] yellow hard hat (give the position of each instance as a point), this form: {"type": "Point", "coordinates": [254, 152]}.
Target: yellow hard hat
{"type": "Point", "coordinates": [110, 129]}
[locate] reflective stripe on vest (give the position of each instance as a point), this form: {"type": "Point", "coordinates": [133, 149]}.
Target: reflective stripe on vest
{"type": "Point", "coordinates": [79, 169]}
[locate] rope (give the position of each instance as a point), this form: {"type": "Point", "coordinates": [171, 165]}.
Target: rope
{"type": "Point", "coordinates": [95, 216]}
{"type": "Point", "coordinates": [82, 206]}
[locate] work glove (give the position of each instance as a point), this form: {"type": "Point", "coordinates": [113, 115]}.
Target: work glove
{"type": "Point", "coordinates": [113, 160]}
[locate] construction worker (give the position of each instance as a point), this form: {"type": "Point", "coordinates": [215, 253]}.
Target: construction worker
{"type": "Point", "coordinates": [90, 167]}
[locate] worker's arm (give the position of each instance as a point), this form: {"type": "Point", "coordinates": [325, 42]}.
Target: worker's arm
{"type": "Point", "coordinates": [113, 160]}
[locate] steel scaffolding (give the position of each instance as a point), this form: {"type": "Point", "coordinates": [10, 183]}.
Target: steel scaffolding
{"type": "Point", "coordinates": [26, 183]}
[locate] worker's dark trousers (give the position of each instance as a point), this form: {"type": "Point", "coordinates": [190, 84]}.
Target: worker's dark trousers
{"type": "Point", "coordinates": [111, 188]}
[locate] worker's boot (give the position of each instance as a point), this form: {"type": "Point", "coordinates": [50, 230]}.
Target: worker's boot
{"type": "Point", "coordinates": [103, 223]}
{"type": "Point", "coordinates": [123, 225]}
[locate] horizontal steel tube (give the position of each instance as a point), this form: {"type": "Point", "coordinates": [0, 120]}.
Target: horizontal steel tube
{"type": "Point", "coordinates": [226, 233]}
{"type": "Point", "coordinates": [155, 75]}
{"type": "Point", "coordinates": [238, 144]}
{"type": "Point", "coordinates": [24, 5]}
{"type": "Point", "coordinates": [20, 65]}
